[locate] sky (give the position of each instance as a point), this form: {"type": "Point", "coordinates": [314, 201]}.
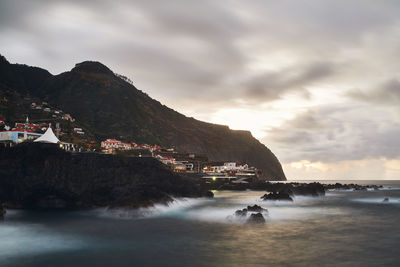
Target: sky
{"type": "Point", "coordinates": [316, 81]}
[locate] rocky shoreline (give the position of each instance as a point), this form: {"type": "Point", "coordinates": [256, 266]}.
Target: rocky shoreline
{"type": "Point", "coordinates": [355, 187]}
{"type": "Point", "coordinates": [280, 190]}
{"type": "Point", "coordinates": [42, 176]}
{"type": "Point", "coordinates": [286, 192]}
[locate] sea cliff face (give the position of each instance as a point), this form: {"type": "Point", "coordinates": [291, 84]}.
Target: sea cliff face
{"type": "Point", "coordinates": [43, 176]}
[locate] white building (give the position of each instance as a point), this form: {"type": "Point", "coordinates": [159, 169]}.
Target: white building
{"type": "Point", "coordinates": [227, 167]}
{"type": "Point", "coordinates": [167, 160]}
{"type": "Point", "coordinates": [113, 144]}
{"type": "Point", "coordinates": [18, 136]}
{"type": "Point", "coordinates": [233, 166]}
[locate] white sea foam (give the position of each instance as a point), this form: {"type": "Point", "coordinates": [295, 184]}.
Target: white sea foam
{"type": "Point", "coordinates": [173, 208]}
{"type": "Point", "coordinates": [379, 200]}
{"type": "Point", "coordinates": [341, 190]}
{"type": "Point", "coordinates": [389, 188]}
{"type": "Point", "coordinates": [222, 208]}
{"type": "Point", "coordinates": [331, 194]}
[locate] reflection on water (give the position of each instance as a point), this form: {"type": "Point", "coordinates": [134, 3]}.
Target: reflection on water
{"type": "Point", "coordinates": [342, 228]}
{"type": "Point", "coordinates": [24, 240]}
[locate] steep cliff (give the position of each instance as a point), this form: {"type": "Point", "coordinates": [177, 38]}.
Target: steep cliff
{"type": "Point", "coordinates": [110, 106]}
{"type": "Point", "coordinates": [36, 175]}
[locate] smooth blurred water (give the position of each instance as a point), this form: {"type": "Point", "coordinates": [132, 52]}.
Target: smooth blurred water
{"type": "Point", "coordinates": [340, 229]}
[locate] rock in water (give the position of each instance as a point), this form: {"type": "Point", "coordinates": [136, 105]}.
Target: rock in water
{"type": "Point", "coordinates": [2, 210]}
{"type": "Point", "coordinates": [256, 208]}
{"type": "Point", "coordinates": [277, 196]}
{"type": "Point", "coordinates": [312, 189]}
{"type": "Point", "coordinates": [256, 218]}
{"type": "Point", "coordinates": [241, 213]}
{"type": "Point", "coordinates": [209, 194]}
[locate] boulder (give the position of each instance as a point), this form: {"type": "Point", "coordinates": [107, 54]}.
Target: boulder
{"type": "Point", "coordinates": [241, 213]}
{"type": "Point", "coordinates": [2, 210]}
{"type": "Point", "coordinates": [312, 189]}
{"type": "Point", "coordinates": [209, 194]}
{"type": "Point", "coordinates": [256, 218]}
{"type": "Point", "coordinates": [256, 208]}
{"type": "Point", "coordinates": [277, 196]}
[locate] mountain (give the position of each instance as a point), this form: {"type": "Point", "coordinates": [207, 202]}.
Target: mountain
{"type": "Point", "coordinates": [110, 106]}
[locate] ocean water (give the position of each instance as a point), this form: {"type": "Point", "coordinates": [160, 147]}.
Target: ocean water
{"type": "Point", "coordinates": [343, 228]}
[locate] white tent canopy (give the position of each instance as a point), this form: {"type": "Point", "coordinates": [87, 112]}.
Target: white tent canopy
{"type": "Point", "coordinates": [48, 137]}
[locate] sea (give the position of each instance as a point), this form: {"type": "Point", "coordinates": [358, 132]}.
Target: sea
{"type": "Point", "coordinates": [342, 228]}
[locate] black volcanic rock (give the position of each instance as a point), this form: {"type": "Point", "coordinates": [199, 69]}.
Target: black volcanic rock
{"type": "Point", "coordinates": [294, 188]}
{"type": "Point", "coordinates": [312, 189]}
{"type": "Point", "coordinates": [37, 175]}
{"type": "Point", "coordinates": [277, 196]}
{"type": "Point", "coordinates": [209, 194]}
{"type": "Point", "coordinates": [109, 106]}
{"type": "Point", "coordinates": [2, 210]}
{"type": "Point", "coordinates": [356, 187]}
{"type": "Point", "coordinates": [241, 213]}
{"type": "Point", "coordinates": [256, 208]}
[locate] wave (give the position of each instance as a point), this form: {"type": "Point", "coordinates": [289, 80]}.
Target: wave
{"type": "Point", "coordinates": [222, 208]}
{"type": "Point", "coordinates": [173, 208]}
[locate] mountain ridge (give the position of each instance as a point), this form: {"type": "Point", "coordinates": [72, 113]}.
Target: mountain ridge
{"type": "Point", "coordinates": [110, 106]}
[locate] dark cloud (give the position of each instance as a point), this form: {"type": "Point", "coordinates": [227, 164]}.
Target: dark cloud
{"type": "Point", "coordinates": [206, 56]}
{"type": "Point", "coordinates": [193, 47]}
{"type": "Point", "coordinates": [272, 85]}
{"type": "Point", "coordinates": [387, 93]}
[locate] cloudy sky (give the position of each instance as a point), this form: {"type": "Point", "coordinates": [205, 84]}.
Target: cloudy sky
{"type": "Point", "coordinates": [316, 81]}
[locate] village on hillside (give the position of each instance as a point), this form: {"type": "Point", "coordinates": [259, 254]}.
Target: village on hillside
{"type": "Point", "coordinates": [51, 131]}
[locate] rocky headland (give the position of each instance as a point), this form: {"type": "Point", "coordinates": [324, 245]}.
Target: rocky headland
{"type": "Point", "coordinates": [35, 175]}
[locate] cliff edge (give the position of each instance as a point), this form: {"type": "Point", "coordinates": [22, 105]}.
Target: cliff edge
{"type": "Point", "coordinates": [34, 175]}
